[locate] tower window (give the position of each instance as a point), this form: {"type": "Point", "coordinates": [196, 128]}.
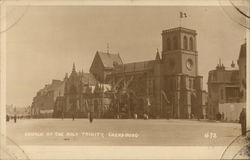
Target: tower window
{"type": "Point", "coordinates": [175, 42]}
{"type": "Point", "coordinates": [168, 44]}
{"type": "Point", "coordinates": [185, 42]}
{"type": "Point", "coordinates": [191, 44]}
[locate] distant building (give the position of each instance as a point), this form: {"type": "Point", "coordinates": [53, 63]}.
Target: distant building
{"type": "Point", "coordinates": [43, 102]}
{"type": "Point", "coordinates": [227, 85]}
{"type": "Point", "coordinates": [18, 111]}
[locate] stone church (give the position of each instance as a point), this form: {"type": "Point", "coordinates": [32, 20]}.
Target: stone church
{"type": "Point", "coordinates": [167, 87]}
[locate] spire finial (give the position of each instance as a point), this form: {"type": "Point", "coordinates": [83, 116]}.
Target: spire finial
{"type": "Point", "coordinates": [66, 76]}
{"type": "Point", "coordinates": [157, 57]}
{"type": "Point", "coordinates": [232, 65]}
{"type": "Point", "coordinates": [74, 67]}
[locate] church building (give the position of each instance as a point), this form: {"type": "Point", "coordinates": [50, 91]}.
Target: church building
{"type": "Point", "coordinates": [167, 87]}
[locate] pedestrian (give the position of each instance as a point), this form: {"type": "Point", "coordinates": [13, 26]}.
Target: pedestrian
{"type": "Point", "coordinates": [15, 118]}
{"type": "Point", "coordinates": [73, 116]}
{"type": "Point", "coordinates": [7, 118]}
{"type": "Point", "coordinates": [218, 116]}
{"type": "Point", "coordinates": [243, 121]}
{"type": "Point", "coordinates": [91, 117]}
{"type": "Point", "coordinates": [222, 116]}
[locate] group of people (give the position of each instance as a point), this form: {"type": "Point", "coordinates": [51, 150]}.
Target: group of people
{"type": "Point", "coordinates": [90, 116]}
{"type": "Point", "coordinates": [220, 116]}
{"type": "Point", "coordinates": [15, 117]}
{"type": "Point", "coordinates": [242, 120]}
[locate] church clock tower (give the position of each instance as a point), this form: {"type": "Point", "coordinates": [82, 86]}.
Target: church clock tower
{"type": "Point", "coordinates": [179, 51]}
{"type": "Point", "coordinates": [180, 80]}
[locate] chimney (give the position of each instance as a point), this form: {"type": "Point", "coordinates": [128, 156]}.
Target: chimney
{"type": "Point", "coordinates": [233, 64]}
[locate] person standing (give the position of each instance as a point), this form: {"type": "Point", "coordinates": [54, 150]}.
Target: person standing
{"type": "Point", "coordinates": [90, 117]}
{"type": "Point", "coordinates": [15, 118]}
{"type": "Point", "coordinates": [7, 118]}
{"type": "Point", "coordinates": [243, 121]}
{"type": "Point", "coordinates": [73, 116]}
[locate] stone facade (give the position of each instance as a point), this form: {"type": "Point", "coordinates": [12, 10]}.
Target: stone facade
{"type": "Point", "coordinates": [82, 94]}
{"type": "Point", "coordinates": [168, 86]}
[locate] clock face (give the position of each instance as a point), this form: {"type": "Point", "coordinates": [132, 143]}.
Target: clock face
{"type": "Point", "coordinates": [189, 64]}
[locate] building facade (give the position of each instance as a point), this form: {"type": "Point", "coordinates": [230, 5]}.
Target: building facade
{"type": "Point", "coordinates": [227, 86]}
{"type": "Point", "coordinates": [43, 102]}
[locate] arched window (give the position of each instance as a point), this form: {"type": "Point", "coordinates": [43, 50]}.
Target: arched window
{"type": "Point", "coordinates": [168, 44]}
{"type": "Point", "coordinates": [175, 42]}
{"type": "Point", "coordinates": [185, 42]}
{"type": "Point", "coordinates": [191, 44]}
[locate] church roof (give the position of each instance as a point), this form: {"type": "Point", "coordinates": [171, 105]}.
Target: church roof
{"type": "Point", "coordinates": [109, 59]}
{"type": "Point", "coordinates": [135, 67]}
{"type": "Point", "coordinates": [182, 29]}
{"type": "Point", "coordinates": [223, 76]}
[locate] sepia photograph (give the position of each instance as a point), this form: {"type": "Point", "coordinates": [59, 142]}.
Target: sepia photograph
{"type": "Point", "coordinates": [117, 81]}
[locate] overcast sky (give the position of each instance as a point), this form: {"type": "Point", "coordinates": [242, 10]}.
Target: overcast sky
{"type": "Point", "coordinates": [47, 40]}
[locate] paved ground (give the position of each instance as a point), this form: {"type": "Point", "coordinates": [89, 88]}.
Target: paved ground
{"type": "Point", "coordinates": [122, 132]}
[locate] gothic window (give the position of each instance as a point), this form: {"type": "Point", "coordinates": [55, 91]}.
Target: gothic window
{"type": "Point", "coordinates": [168, 44]}
{"type": "Point", "coordinates": [191, 44]}
{"type": "Point", "coordinates": [185, 42]}
{"type": "Point", "coordinates": [175, 42]}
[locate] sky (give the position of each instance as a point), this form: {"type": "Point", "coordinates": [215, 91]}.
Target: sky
{"type": "Point", "coordinates": [47, 40]}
